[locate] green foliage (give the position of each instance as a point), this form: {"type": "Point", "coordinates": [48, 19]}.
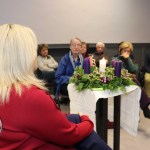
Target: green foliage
{"type": "Point", "coordinates": [102, 81]}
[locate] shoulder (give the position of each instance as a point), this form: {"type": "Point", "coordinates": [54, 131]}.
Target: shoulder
{"type": "Point", "coordinates": [34, 95]}
{"type": "Point", "coordinates": [39, 57]}
{"type": "Point", "coordinates": [50, 57]}
{"type": "Point", "coordinates": [65, 58]}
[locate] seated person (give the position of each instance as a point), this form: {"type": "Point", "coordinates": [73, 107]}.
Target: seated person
{"type": "Point", "coordinates": [125, 49]}
{"type": "Point", "coordinates": [87, 58]}
{"type": "Point", "coordinates": [146, 69]}
{"type": "Point", "coordinates": [46, 63]}
{"type": "Point", "coordinates": [84, 49]}
{"type": "Point", "coordinates": [99, 53]}
{"type": "Point", "coordinates": [67, 65]}
{"type": "Point", "coordinates": [131, 54]}
{"type": "Point", "coordinates": [29, 117]}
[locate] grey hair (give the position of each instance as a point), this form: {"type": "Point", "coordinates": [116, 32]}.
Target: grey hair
{"type": "Point", "coordinates": [100, 44]}
{"type": "Point", "coordinates": [75, 38]}
{"type": "Point", "coordinates": [18, 56]}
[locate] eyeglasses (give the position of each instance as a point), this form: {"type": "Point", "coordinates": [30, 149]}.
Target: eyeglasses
{"type": "Point", "coordinates": [76, 45]}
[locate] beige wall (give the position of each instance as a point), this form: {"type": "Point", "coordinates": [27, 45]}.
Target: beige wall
{"type": "Point", "coordinates": [56, 21]}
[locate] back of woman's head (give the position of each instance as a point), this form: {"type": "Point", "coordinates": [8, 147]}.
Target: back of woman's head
{"type": "Point", "coordinates": [18, 54]}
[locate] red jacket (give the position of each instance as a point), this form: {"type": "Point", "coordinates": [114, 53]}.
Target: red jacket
{"type": "Point", "coordinates": [33, 121]}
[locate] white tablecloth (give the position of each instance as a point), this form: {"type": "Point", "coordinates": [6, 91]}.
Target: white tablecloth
{"type": "Point", "coordinates": [85, 102]}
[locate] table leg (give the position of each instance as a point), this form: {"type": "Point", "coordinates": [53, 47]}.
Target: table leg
{"type": "Point", "coordinates": [117, 103]}
{"type": "Point", "coordinates": [101, 118]}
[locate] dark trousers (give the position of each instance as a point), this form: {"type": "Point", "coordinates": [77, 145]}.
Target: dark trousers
{"type": "Point", "coordinates": [144, 100]}
{"type": "Point", "coordinates": [63, 89]}
{"type": "Point", "coordinates": [49, 76]}
{"type": "Point", "coordinates": [92, 142]}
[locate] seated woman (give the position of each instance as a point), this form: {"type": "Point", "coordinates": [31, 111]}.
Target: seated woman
{"type": "Point", "coordinates": [67, 65]}
{"type": "Point", "coordinates": [84, 49]}
{"type": "Point", "coordinates": [87, 62]}
{"type": "Point", "coordinates": [125, 49]}
{"type": "Point", "coordinates": [29, 117]}
{"type": "Point", "coordinates": [46, 63]}
{"type": "Point", "coordinates": [146, 70]}
{"type": "Point", "coordinates": [131, 54]}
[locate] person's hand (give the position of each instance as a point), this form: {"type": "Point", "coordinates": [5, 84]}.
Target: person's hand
{"type": "Point", "coordinates": [81, 114]}
{"type": "Point", "coordinates": [125, 55]}
{"type": "Point", "coordinates": [133, 76]}
{"type": "Point", "coordinates": [92, 60]}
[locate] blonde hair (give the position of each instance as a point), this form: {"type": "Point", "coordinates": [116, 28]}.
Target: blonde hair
{"type": "Point", "coordinates": [18, 55]}
{"type": "Point", "coordinates": [124, 45]}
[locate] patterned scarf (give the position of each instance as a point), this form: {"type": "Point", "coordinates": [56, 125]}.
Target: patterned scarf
{"type": "Point", "coordinates": [74, 63]}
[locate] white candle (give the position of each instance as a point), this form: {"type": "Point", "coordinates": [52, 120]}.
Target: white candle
{"type": "Point", "coordinates": [102, 65]}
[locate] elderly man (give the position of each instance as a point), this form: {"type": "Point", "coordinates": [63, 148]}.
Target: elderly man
{"type": "Point", "coordinates": [99, 53]}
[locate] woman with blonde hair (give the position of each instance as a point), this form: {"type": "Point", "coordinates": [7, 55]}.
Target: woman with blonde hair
{"type": "Point", "coordinates": [125, 50]}
{"type": "Point", "coordinates": [29, 118]}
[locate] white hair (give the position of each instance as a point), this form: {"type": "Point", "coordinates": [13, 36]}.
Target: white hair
{"type": "Point", "coordinates": [18, 55]}
{"type": "Point", "coordinates": [74, 38]}
{"type": "Point", "coordinates": [100, 44]}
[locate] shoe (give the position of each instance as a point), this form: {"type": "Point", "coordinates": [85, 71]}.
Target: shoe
{"type": "Point", "coordinates": [146, 112]}
{"type": "Point", "coordinates": [110, 124]}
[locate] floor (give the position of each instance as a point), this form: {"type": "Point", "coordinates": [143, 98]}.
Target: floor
{"type": "Point", "coordinates": [127, 141]}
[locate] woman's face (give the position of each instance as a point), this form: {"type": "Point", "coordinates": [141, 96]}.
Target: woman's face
{"type": "Point", "coordinates": [83, 49]}
{"type": "Point", "coordinates": [75, 46]}
{"type": "Point", "coordinates": [44, 52]}
{"type": "Point", "coordinates": [126, 50]}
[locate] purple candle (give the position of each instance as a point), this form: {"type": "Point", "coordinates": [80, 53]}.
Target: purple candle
{"type": "Point", "coordinates": [118, 65]}
{"type": "Point", "coordinates": [86, 65]}
{"type": "Point", "coordinates": [113, 63]}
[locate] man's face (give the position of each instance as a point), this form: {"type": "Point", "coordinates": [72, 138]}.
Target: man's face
{"type": "Point", "coordinates": [99, 48]}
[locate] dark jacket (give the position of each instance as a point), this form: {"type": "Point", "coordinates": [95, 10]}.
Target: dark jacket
{"type": "Point", "coordinates": [64, 72]}
{"type": "Point", "coordinates": [146, 67]}
{"type": "Point", "coordinates": [98, 56]}
{"type": "Point", "coordinates": [127, 63]}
